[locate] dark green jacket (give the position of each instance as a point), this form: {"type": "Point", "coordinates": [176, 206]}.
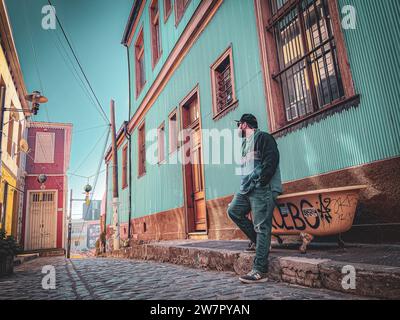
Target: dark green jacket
{"type": "Point", "coordinates": [260, 163]}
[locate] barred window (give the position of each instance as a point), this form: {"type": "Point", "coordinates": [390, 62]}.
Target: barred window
{"type": "Point", "coordinates": [222, 77]}
{"type": "Point", "coordinates": [308, 75]}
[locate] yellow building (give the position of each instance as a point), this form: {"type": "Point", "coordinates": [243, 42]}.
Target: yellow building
{"type": "Point", "coordinates": [14, 124]}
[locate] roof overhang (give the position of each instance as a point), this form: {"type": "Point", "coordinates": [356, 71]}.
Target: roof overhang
{"type": "Point", "coordinates": [131, 21]}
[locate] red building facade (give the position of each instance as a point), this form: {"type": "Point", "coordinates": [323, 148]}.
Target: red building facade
{"type": "Point", "coordinates": [45, 204]}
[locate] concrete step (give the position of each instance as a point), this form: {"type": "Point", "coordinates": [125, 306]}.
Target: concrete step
{"type": "Point", "coordinates": [370, 280]}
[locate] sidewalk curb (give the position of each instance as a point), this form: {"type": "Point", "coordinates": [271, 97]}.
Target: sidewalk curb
{"type": "Point", "coordinates": [371, 280]}
{"type": "Point", "coordinates": [20, 259]}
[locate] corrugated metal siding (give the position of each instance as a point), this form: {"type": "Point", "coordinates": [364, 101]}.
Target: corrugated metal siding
{"type": "Point", "coordinates": [371, 131]}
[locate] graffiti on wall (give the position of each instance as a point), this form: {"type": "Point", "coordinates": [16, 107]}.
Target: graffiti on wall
{"type": "Point", "coordinates": [93, 233]}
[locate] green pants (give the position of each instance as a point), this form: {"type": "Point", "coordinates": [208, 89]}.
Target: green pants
{"type": "Point", "coordinates": [261, 202]}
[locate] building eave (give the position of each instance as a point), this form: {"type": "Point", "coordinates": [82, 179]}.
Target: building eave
{"type": "Point", "coordinates": [131, 21]}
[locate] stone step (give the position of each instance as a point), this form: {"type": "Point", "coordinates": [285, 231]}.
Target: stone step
{"type": "Point", "coordinates": [22, 258]}
{"type": "Point", "coordinates": [198, 236]}
{"type": "Point", "coordinates": [369, 280]}
{"type": "Point", "coordinates": [47, 252]}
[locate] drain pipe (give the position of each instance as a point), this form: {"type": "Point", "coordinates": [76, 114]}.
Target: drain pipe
{"type": "Point", "coordinates": [128, 136]}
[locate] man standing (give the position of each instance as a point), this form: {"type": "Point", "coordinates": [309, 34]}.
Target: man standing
{"type": "Point", "coordinates": [259, 188]}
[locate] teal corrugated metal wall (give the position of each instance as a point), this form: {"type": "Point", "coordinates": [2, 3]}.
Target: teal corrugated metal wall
{"type": "Point", "coordinates": [371, 131]}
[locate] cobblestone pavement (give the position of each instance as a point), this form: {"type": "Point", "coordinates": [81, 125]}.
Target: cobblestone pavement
{"type": "Point", "coordinates": [122, 279]}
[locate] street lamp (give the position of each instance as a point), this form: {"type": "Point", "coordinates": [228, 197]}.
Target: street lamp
{"type": "Point", "coordinates": [35, 97]}
{"type": "Point", "coordinates": [42, 178]}
{"type": "Point", "coordinates": [87, 189]}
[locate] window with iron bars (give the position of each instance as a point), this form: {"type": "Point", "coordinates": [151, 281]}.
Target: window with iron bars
{"type": "Point", "coordinates": [224, 85]}
{"type": "Point", "coordinates": [222, 77]}
{"type": "Point", "coordinates": [309, 75]}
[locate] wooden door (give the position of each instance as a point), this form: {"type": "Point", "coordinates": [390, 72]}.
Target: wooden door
{"type": "Point", "coordinates": [197, 181]}
{"type": "Point", "coordinates": [42, 221]}
{"type": "Point", "coordinates": [193, 169]}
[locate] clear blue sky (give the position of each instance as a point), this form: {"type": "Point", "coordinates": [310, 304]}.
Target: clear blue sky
{"type": "Point", "coordinates": [95, 28]}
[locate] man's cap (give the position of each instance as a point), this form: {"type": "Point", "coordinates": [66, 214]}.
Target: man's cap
{"type": "Point", "coordinates": [250, 119]}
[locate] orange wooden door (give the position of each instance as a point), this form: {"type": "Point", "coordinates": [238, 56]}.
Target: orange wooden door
{"type": "Point", "coordinates": [193, 170]}
{"type": "Point", "coordinates": [197, 181]}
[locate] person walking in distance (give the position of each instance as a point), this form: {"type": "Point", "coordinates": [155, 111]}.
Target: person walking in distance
{"type": "Point", "coordinates": [259, 188]}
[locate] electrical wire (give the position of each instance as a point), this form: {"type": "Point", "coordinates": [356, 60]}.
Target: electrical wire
{"type": "Point", "coordinates": [88, 129]}
{"type": "Point", "coordinates": [79, 64]}
{"type": "Point", "coordinates": [91, 151]}
{"type": "Point", "coordinates": [62, 50]}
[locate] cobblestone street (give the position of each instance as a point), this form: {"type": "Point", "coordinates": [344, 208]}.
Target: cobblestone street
{"type": "Point", "coordinates": [123, 279]}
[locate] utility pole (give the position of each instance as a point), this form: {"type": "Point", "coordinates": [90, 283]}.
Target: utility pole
{"type": "Point", "coordinates": [69, 226]}
{"type": "Point", "coordinates": [115, 200]}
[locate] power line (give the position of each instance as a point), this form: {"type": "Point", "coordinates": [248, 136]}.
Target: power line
{"type": "Point", "coordinates": [91, 128]}
{"type": "Point", "coordinates": [79, 64]}
{"type": "Point", "coordinates": [85, 177]}
{"type": "Point", "coordinates": [61, 49]}
{"type": "Point", "coordinates": [33, 47]}
{"type": "Point", "coordinates": [91, 151]}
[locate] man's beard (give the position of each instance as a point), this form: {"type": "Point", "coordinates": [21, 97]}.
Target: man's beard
{"type": "Point", "coordinates": [241, 133]}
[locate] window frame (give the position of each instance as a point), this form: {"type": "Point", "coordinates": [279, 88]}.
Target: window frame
{"type": "Point", "coordinates": [19, 139]}
{"type": "Point", "coordinates": [138, 72]}
{"type": "Point", "coordinates": [278, 124]}
{"type": "Point", "coordinates": [180, 9]}
{"type": "Point", "coordinates": [141, 153]}
{"type": "Point", "coordinates": [217, 114]}
{"type": "Point", "coordinates": [173, 113]}
{"type": "Point", "coordinates": [53, 135]}
{"type": "Point", "coordinates": [155, 33]}
{"type": "Point", "coordinates": [10, 131]}
{"type": "Point", "coordinates": [167, 14]}
{"type": "Point", "coordinates": [124, 177]}
{"type": "Point", "coordinates": [161, 142]}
